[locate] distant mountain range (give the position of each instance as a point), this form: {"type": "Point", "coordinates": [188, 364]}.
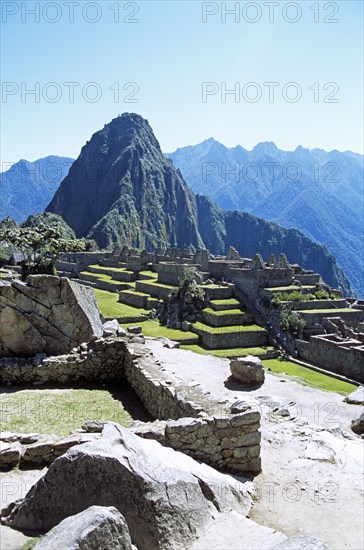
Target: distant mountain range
{"type": "Point", "coordinates": [27, 187]}
{"type": "Point", "coordinates": [317, 192]}
{"type": "Point", "coordinates": [122, 189]}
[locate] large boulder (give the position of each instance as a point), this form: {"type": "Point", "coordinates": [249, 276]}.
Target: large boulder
{"type": "Point", "coordinates": [47, 315]}
{"type": "Point", "coordinates": [356, 397]}
{"type": "Point", "coordinates": [248, 370]}
{"type": "Point", "coordinates": [166, 497]}
{"type": "Point", "coordinates": [357, 425]}
{"type": "Point", "coordinates": [98, 527]}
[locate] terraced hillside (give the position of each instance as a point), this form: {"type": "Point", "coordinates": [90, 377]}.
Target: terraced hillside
{"type": "Point", "coordinates": [225, 330]}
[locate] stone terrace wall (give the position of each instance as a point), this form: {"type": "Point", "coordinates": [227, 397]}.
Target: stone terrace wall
{"type": "Point", "coordinates": [226, 441]}
{"type": "Point", "coordinates": [334, 356]}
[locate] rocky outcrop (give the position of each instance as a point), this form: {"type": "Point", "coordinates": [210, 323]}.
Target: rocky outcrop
{"type": "Point", "coordinates": [166, 497]}
{"type": "Point", "coordinates": [357, 425]}
{"type": "Point", "coordinates": [97, 527]}
{"type": "Point", "coordinates": [46, 315]}
{"type": "Point", "coordinates": [248, 370]}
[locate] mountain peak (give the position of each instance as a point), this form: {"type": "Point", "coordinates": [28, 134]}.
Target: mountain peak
{"type": "Point", "coordinates": [265, 147]}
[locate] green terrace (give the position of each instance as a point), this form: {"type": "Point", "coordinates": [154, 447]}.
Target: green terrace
{"type": "Point", "coordinates": [153, 329]}
{"type": "Point", "coordinates": [308, 377]}
{"type": "Point", "coordinates": [291, 288]}
{"type": "Point", "coordinates": [222, 312]}
{"type": "Point", "coordinates": [230, 353]}
{"type": "Point", "coordinates": [227, 329]}
{"type": "Point", "coordinates": [227, 304]}
{"type": "Point", "coordinates": [111, 308]}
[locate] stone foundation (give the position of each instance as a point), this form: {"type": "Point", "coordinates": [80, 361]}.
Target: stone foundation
{"type": "Point", "coordinates": [205, 428]}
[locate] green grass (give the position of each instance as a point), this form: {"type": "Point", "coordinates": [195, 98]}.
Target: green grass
{"type": "Point", "coordinates": [149, 274]}
{"type": "Point", "coordinates": [224, 311]}
{"type": "Point", "coordinates": [102, 277]}
{"type": "Point", "coordinates": [111, 269]}
{"type": "Point", "coordinates": [228, 301]}
{"type": "Point", "coordinates": [152, 283]}
{"type": "Point", "coordinates": [153, 329]}
{"type": "Point", "coordinates": [58, 412]}
{"type": "Point", "coordinates": [287, 288]}
{"type": "Point", "coordinates": [29, 545]}
{"type": "Point", "coordinates": [233, 352]}
{"type": "Point", "coordinates": [134, 292]}
{"type": "Point", "coordinates": [110, 307]}
{"type": "Point", "coordinates": [226, 329]}
{"type": "Point", "coordinates": [309, 377]}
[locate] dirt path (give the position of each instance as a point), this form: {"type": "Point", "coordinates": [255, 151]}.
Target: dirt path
{"type": "Point", "coordinates": [312, 463]}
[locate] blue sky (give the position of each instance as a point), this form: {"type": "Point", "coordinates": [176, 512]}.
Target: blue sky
{"type": "Point", "coordinates": [167, 58]}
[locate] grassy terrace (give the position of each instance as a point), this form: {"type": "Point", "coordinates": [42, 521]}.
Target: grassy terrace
{"type": "Point", "coordinates": [102, 277]}
{"type": "Point", "coordinates": [153, 329]}
{"type": "Point", "coordinates": [228, 329]}
{"type": "Point", "coordinates": [289, 288]}
{"type": "Point", "coordinates": [223, 311]}
{"type": "Point", "coordinates": [308, 377]}
{"type": "Point", "coordinates": [111, 269]}
{"type": "Point", "coordinates": [58, 412]}
{"type": "Point", "coordinates": [228, 353]}
{"type": "Point", "coordinates": [110, 307]}
{"type": "Point", "coordinates": [227, 302]}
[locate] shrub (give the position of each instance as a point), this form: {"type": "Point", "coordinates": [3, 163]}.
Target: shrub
{"type": "Point", "coordinates": [322, 295]}
{"type": "Point", "coordinates": [291, 322]}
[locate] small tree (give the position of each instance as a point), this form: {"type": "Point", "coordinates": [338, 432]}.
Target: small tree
{"type": "Point", "coordinates": [292, 322]}
{"type": "Point", "coordinates": [40, 245]}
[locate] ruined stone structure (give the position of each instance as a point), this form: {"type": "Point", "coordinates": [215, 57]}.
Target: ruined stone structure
{"type": "Point", "coordinates": [254, 282]}
{"type": "Point", "coordinates": [46, 315]}
{"type": "Point", "coordinates": [201, 427]}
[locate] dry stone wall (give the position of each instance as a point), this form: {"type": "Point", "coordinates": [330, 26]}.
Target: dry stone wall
{"type": "Point", "coordinates": [206, 429]}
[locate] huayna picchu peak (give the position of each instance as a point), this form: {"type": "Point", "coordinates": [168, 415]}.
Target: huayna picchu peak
{"type": "Point", "coordinates": [122, 189]}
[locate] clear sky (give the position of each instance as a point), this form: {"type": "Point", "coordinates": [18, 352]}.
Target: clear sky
{"type": "Point", "coordinates": [175, 59]}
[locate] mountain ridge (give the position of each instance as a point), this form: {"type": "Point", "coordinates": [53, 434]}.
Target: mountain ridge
{"type": "Point", "coordinates": [139, 198]}
{"type": "Point", "coordinates": [325, 203]}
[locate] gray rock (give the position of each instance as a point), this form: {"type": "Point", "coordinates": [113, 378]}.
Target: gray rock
{"type": "Point", "coordinates": [111, 327]}
{"type": "Point", "coordinates": [93, 426]}
{"type": "Point", "coordinates": [9, 454]}
{"type": "Point", "coordinates": [356, 397]}
{"type": "Point", "coordinates": [357, 425]}
{"type": "Point", "coordinates": [240, 407]}
{"type": "Point", "coordinates": [302, 542]}
{"type": "Point", "coordinates": [135, 330]}
{"type": "Point", "coordinates": [248, 370]}
{"type": "Point", "coordinates": [166, 497]}
{"type": "Point", "coordinates": [170, 344]}
{"type": "Point", "coordinates": [98, 527]}
{"type": "Point", "coordinates": [48, 315]}
{"type": "Point", "coordinates": [121, 331]}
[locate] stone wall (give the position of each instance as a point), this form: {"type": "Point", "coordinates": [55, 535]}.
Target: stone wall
{"type": "Point", "coordinates": [172, 273]}
{"type": "Point", "coordinates": [48, 314]}
{"type": "Point", "coordinates": [227, 441]}
{"type": "Point", "coordinates": [335, 354]}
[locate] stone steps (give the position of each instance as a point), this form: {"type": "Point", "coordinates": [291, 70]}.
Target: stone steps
{"type": "Point", "coordinates": [120, 275]}
{"type": "Point", "coordinates": [221, 305]}
{"type": "Point", "coordinates": [230, 318]}
{"type": "Point", "coordinates": [231, 336]}
{"type": "Point", "coordinates": [155, 290]}
{"type": "Point", "coordinates": [217, 292]}
{"type": "Point", "coordinates": [133, 298]}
